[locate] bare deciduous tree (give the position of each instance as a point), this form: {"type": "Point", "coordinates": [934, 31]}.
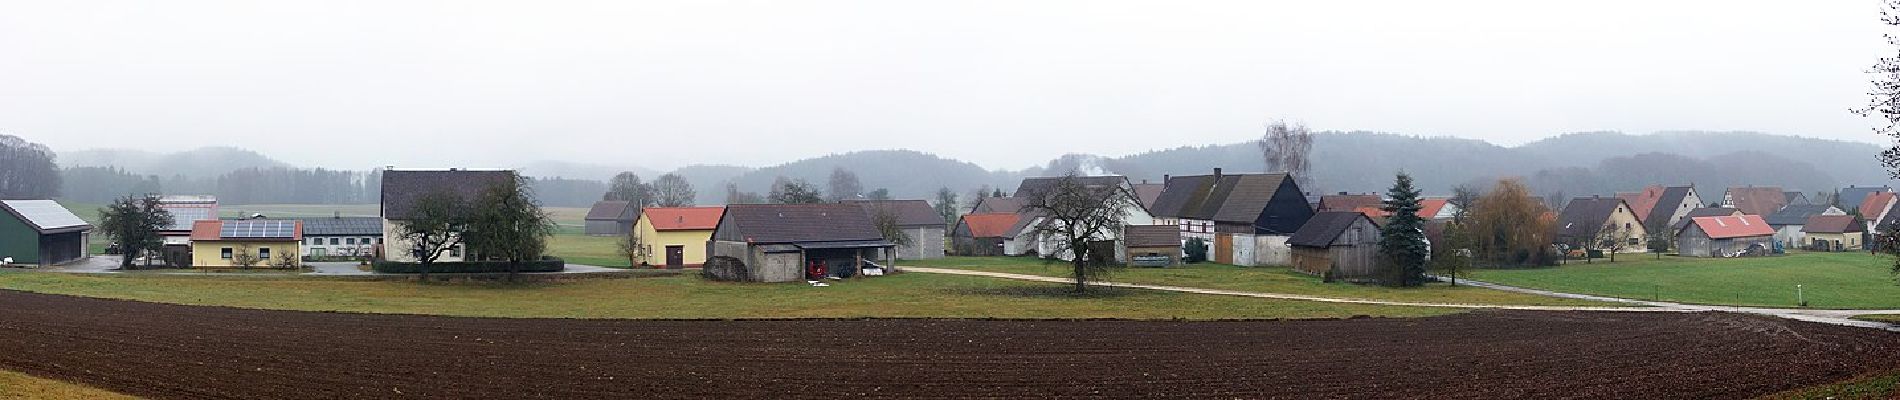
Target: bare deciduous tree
{"type": "Point", "coordinates": [793, 191]}
{"type": "Point", "coordinates": [736, 196]}
{"type": "Point", "coordinates": [947, 205]}
{"type": "Point", "coordinates": [244, 257]}
{"type": "Point", "coordinates": [1076, 215]}
{"type": "Point", "coordinates": [672, 190]}
{"type": "Point", "coordinates": [507, 223]}
{"type": "Point", "coordinates": [1884, 95]}
{"type": "Point", "coordinates": [627, 187]}
{"type": "Point", "coordinates": [634, 247]}
{"type": "Point", "coordinates": [843, 185]}
{"type": "Point", "coordinates": [1612, 239]}
{"type": "Point", "coordinates": [1288, 149]}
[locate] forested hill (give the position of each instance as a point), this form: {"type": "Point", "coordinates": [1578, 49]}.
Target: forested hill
{"type": "Point", "coordinates": [1574, 164]}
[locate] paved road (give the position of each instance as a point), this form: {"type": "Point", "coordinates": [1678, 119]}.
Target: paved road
{"type": "Point", "coordinates": [110, 265]}
{"type": "Point", "coordinates": [1837, 317]}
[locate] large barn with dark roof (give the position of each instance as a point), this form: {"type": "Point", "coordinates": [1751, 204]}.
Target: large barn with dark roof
{"type": "Point", "coordinates": [916, 219]}
{"type": "Point", "coordinates": [1245, 218]}
{"type": "Point", "coordinates": [790, 242]}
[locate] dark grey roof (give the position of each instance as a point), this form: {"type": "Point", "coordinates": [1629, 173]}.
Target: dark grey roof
{"type": "Point", "coordinates": [1232, 198]}
{"type": "Point", "coordinates": [997, 205]}
{"type": "Point", "coordinates": [795, 223]}
{"type": "Point", "coordinates": [183, 216]}
{"type": "Point", "coordinates": [1030, 186]}
{"type": "Point", "coordinates": [401, 188]}
{"type": "Point", "coordinates": [909, 213]}
{"type": "Point", "coordinates": [1666, 206]}
{"type": "Point", "coordinates": [343, 226]}
{"type": "Point", "coordinates": [1796, 214]}
{"type": "Point", "coordinates": [610, 210]}
{"type": "Point", "coordinates": [1149, 192]}
{"type": "Point", "coordinates": [1585, 215]}
{"type": "Point", "coordinates": [1891, 219]}
{"type": "Point", "coordinates": [1852, 195]}
{"type": "Point", "coordinates": [1151, 236]}
{"type": "Point", "coordinates": [45, 216]}
{"type": "Point", "coordinates": [1795, 197]}
{"type": "Point", "coordinates": [1324, 228]}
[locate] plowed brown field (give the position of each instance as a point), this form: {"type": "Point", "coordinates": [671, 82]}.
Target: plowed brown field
{"type": "Point", "coordinates": [168, 351]}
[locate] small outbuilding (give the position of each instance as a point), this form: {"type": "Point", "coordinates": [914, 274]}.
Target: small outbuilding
{"type": "Point", "coordinates": [983, 234]}
{"type": "Point", "coordinates": [1152, 245]}
{"type": "Point", "coordinates": [610, 218]}
{"type": "Point", "coordinates": [1834, 232]}
{"type": "Point", "coordinates": [1726, 236]}
{"type": "Point", "coordinates": [1337, 245]}
{"type": "Point", "coordinates": [791, 242]}
{"type": "Point", "coordinates": [41, 232]}
{"type": "Point", "coordinates": [675, 237]}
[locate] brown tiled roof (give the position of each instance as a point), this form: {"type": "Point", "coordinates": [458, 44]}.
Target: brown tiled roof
{"type": "Point", "coordinates": [1151, 236]}
{"type": "Point", "coordinates": [1875, 205]}
{"type": "Point", "coordinates": [1585, 215]}
{"type": "Point", "coordinates": [909, 213]}
{"type": "Point", "coordinates": [401, 188]}
{"type": "Point", "coordinates": [683, 218]}
{"type": "Point", "coordinates": [1148, 193]}
{"type": "Point", "coordinates": [997, 205]}
{"type": "Point", "coordinates": [1349, 202]}
{"type": "Point", "coordinates": [793, 223]}
{"type": "Point", "coordinates": [1833, 224]}
{"type": "Point", "coordinates": [1641, 203]}
{"type": "Point", "coordinates": [1759, 200]}
{"type": "Point", "coordinates": [609, 210]}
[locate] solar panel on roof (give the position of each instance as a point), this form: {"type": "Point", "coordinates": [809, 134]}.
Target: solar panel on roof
{"type": "Point", "coordinates": [258, 229]}
{"type": "Point", "coordinates": [45, 214]}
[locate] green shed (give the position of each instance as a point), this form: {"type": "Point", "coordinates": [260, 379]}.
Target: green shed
{"type": "Point", "coordinates": [41, 232]}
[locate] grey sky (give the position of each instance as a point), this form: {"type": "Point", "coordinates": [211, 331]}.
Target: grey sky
{"type": "Point", "coordinates": [1006, 84]}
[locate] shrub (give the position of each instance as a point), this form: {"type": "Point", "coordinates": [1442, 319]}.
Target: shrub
{"type": "Point", "coordinates": [545, 264]}
{"type": "Point", "coordinates": [1195, 250]}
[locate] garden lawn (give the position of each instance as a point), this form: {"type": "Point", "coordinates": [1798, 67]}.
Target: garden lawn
{"type": "Point", "coordinates": [599, 251]}
{"type": "Point", "coordinates": [1828, 280]}
{"type": "Point", "coordinates": [910, 295]}
{"type": "Point", "coordinates": [18, 386]}
{"type": "Point", "coordinates": [1259, 279]}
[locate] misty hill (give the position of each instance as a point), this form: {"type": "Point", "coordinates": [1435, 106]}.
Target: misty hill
{"type": "Point", "coordinates": [907, 173]}
{"type": "Point", "coordinates": [579, 170]}
{"type": "Point", "coordinates": [203, 162]}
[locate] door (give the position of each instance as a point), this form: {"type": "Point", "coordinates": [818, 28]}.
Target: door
{"type": "Point", "coordinates": [675, 256]}
{"type": "Point", "coordinates": [1224, 248]}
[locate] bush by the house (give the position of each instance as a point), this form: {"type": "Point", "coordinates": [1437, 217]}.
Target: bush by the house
{"type": "Point", "coordinates": [1195, 250]}
{"type": "Point", "coordinates": [546, 264]}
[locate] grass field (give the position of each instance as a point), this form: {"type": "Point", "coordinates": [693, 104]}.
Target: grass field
{"type": "Point", "coordinates": [1828, 280]}
{"type": "Point", "coordinates": [18, 386]}
{"type": "Point", "coordinates": [597, 251]}
{"type": "Point", "coordinates": [1259, 279]}
{"type": "Point", "coordinates": [1873, 386]}
{"type": "Point", "coordinates": [913, 295]}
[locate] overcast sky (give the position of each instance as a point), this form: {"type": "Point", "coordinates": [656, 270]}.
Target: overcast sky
{"type": "Point", "coordinates": [1005, 84]}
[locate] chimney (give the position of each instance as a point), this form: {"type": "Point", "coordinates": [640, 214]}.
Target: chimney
{"type": "Point", "coordinates": [1343, 193]}
{"type": "Point", "coordinates": [1166, 178]}
{"type": "Point", "coordinates": [1217, 173]}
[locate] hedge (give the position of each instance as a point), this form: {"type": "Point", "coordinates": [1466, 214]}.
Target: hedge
{"type": "Point", "coordinates": [546, 264]}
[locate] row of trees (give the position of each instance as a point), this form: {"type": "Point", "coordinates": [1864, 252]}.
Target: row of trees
{"type": "Point", "coordinates": [27, 170]}
{"type": "Point", "coordinates": [843, 185]}
{"type": "Point", "coordinates": [669, 190]}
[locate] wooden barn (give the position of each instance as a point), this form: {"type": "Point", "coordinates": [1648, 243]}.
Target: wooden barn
{"type": "Point", "coordinates": [1726, 236]}
{"type": "Point", "coordinates": [791, 242]}
{"type": "Point", "coordinates": [1337, 245]}
{"type": "Point", "coordinates": [1152, 245]}
{"type": "Point", "coordinates": [610, 218]}
{"type": "Point", "coordinates": [982, 234]}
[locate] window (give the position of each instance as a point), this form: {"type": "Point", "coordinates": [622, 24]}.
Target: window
{"type": "Point", "coordinates": [350, 241]}
{"type": "Point", "coordinates": [333, 241]}
{"type": "Point", "coordinates": [1635, 241]}
{"type": "Point", "coordinates": [224, 253]}
{"type": "Point", "coordinates": [316, 241]}
{"type": "Point", "coordinates": [379, 240]}
{"type": "Point", "coordinates": [455, 251]}
{"type": "Point", "coordinates": [263, 253]}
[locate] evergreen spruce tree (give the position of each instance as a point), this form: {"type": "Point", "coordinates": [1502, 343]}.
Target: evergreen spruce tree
{"type": "Point", "coordinates": [1402, 246]}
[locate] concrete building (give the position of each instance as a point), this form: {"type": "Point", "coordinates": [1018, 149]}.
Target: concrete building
{"type": "Point", "coordinates": [345, 237]}
{"type": "Point", "coordinates": [246, 244]}
{"type": "Point", "coordinates": [41, 233]}
{"type": "Point", "coordinates": [675, 237]}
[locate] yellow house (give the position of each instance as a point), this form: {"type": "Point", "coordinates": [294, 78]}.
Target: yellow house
{"type": "Point", "coordinates": [676, 237]}
{"type": "Point", "coordinates": [246, 244]}
{"type": "Point", "coordinates": [1834, 232]}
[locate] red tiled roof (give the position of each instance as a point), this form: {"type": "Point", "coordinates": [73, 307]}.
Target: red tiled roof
{"type": "Point", "coordinates": [684, 218]}
{"type": "Point", "coordinates": [989, 224]}
{"type": "Point", "coordinates": [1428, 208]}
{"type": "Point", "coordinates": [1376, 213]}
{"type": "Point", "coordinates": [206, 229]}
{"type": "Point", "coordinates": [1642, 202]}
{"type": "Point", "coordinates": [1876, 204]}
{"type": "Point", "coordinates": [1733, 226]}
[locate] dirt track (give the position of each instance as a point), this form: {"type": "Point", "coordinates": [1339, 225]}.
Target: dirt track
{"type": "Point", "coordinates": [165, 351]}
